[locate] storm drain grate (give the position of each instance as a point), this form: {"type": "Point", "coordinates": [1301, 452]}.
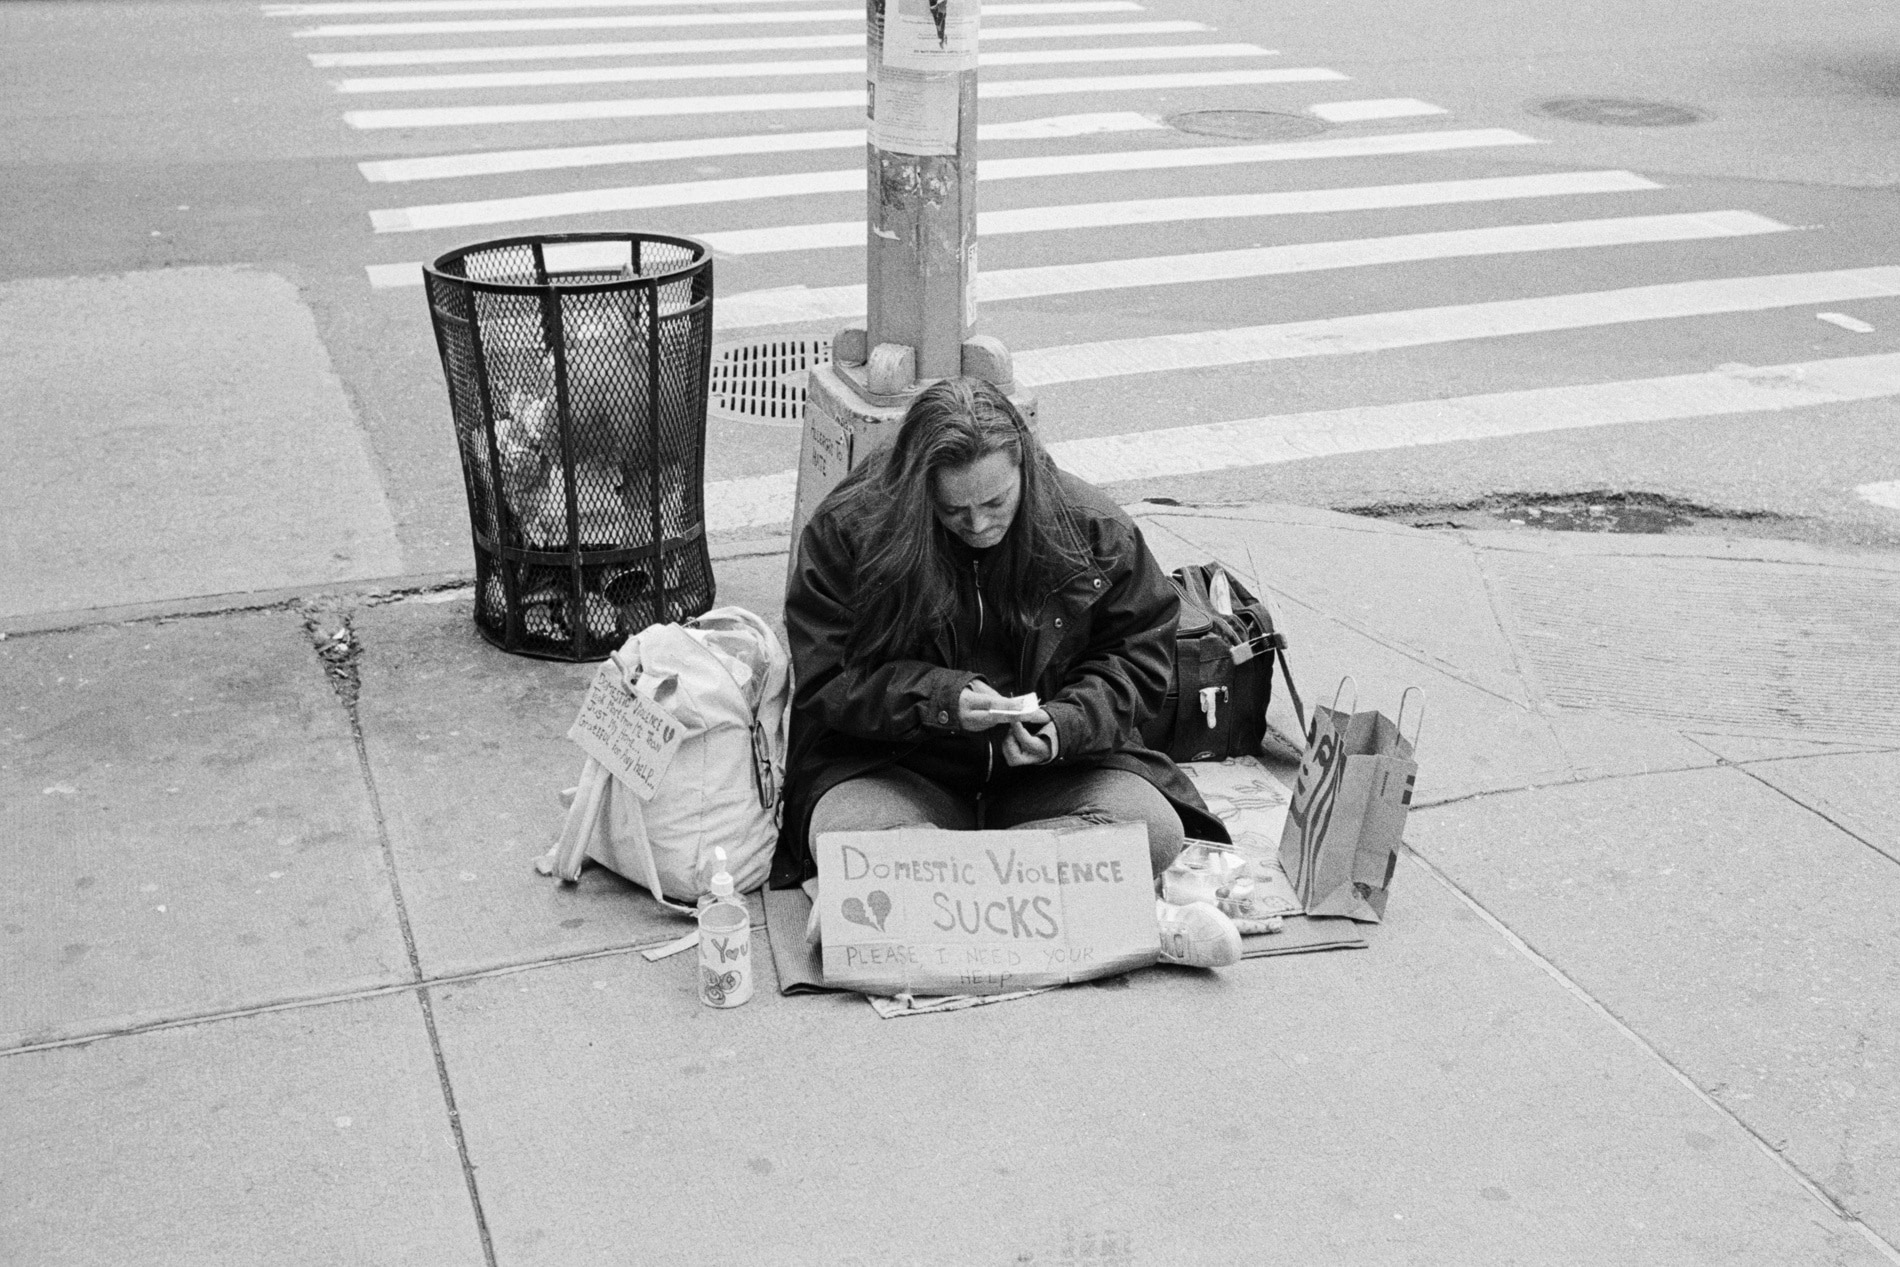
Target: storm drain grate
{"type": "Point", "coordinates": [764, 382]}
{"type": "Point", "coordinates": [1619, 112]}
{"type": "Point", "coordinates": [1246, 125]}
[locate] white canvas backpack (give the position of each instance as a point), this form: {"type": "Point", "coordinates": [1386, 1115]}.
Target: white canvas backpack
{"type": "Point", "coordinates": [724, 678]}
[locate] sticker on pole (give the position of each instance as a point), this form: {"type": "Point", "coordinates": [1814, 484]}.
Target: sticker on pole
{"type": "Point", "coordinates": [626, 732]}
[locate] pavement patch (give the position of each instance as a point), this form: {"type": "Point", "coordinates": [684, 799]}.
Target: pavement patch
{"type": "Point", "coordinates": [172, 434]}
{"type": "Point", "coordinates": [312, 1136]}
{"type": "Point", "coordinates": [1595, 510]}
{"type": "Point", "coordinates": [187, 829]}
{"type": "Point", "coordinates": [468, 749]}
{"type": "Point", "coordinates": [1747, 939]}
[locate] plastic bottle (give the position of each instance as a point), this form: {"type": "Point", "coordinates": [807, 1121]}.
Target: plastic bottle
{"type": "Point", "coordinates": [725, 942]}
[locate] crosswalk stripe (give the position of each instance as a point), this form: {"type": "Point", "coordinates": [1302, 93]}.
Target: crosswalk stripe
{"type": "Point", "coordinates": [338, 30]}
{"type": "Point", "coordinates": [347, 8]}
{"type": "Point", "coordinates": [444, 166]}
{"type": "Point", "coordinates": [794, 304]}
{"type": "Point", "coordinates": [629, 198]}
{"type": "Point", "coordinates": [1267, 441]}
{"type": "Point", "coordinates": [1360, 111]}
{"type": "Point", "coordinates": [727, 44]}
{"type": "Point", "coordinates": [765, 501]}
{"type": "Point", "coordinates": [770, 102]}
{"type": "Point", "coordinates": [850, 233]}
{"type": "Point", "coordinates": [1417, 327]}
{"type": "Point", "coordinates": [792, 184]}
{"type": "Point", "coordinates": [775, 70]}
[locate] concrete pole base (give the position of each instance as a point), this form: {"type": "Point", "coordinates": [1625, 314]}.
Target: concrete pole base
{"type": "Point", "coordinates": [854, 402]}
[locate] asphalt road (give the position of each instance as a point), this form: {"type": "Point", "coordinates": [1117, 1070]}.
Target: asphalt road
{"type": "Point", "coordinates": [162, 136]}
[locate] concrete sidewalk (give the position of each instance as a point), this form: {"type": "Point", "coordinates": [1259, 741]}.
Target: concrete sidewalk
{"type": "Point", "coordinates": [281, 985]}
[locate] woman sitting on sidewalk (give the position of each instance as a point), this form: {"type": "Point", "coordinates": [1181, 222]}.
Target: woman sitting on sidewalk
{"type": "Point", "coordinates": [953, 570]}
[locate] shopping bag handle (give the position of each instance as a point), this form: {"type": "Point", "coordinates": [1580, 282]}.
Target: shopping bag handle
{"type": "Point", "coordinates": [1419, 728]}
{"type": "Point", "coordinates": [1354, 706]}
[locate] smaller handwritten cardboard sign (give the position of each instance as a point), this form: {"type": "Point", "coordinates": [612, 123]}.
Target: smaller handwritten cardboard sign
{"type": "Point", "coordinates": [629, 734]}
{"type": "Point", "coordinates": [924, 911]}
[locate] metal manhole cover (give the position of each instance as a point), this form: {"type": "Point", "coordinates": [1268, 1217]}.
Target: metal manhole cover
{"type": "Point", "coordinates": [1246, 125]}
{"type": "Point", "coordinates": [764, 382]}
{"type": "Point", "coordinates": [1621, 112]}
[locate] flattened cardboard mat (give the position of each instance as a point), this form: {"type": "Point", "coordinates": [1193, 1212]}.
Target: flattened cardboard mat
{"type": "Point", "coordinates": [1248, 796]}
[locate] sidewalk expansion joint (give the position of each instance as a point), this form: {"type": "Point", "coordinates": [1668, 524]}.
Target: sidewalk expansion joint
{"type": "Point", "coordinates": [332, 999]}
{"type": "Point", "coordinates": [1815, 810]}
{"type": "Point", "coordinates": [340, 652]}
{"type": "Point", "coordinates": [1603, 1013]}
{"type": "Point", "coordinates": [1574, 780]}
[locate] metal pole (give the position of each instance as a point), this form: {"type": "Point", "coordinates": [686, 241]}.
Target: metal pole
{"type": "Point", "coordinates": [920, 245]}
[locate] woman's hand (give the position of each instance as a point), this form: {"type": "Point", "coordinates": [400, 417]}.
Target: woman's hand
{"type": "Point", "coordinates": [1020, 747]}
{"type": "Point", "coordinates": [978, 699]}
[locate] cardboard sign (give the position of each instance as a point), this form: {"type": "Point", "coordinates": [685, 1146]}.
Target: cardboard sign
{"type": "Point", "coordinates": [925, 911]}
{"type": "Point", "coordinates": [627, 733]}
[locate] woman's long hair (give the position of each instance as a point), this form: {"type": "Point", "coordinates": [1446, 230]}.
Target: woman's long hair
{"type": "Point", "coordinates": [907, 582]}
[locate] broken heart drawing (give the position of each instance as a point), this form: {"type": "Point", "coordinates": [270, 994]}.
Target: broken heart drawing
{"type": "Point", "coordinates": [880, 901]}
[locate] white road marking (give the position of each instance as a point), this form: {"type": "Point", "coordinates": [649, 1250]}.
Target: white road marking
{"type": "Point", "coordinates": [394, 276]}
{"type": "Point", "coordinates": [774, 70]}
{"type": "Point", "coordinates": [628, 198]}
{"type": "Point", "coordinates": [1845, 322]}
{"type": "Point", "coordinates": [1272, 152]}
{"type": "Point", "coordinates": [446, 215]}
{"type": "Point", "coordinates": [729, 44]}
{"type": "Point", "coordinates": [1417, 327]}
{"type": "Point", "coordinates": [602, 75]}
{"type": "Point", "coordinates": [1331, 433]}
{"type": "Point", "coordinates": [443, 166]}
{"type": "Point", "coordinates": [362, 9]}
{"type": "Point", "coordinates": [1886, 493]}
{"type": "Point", "coordinates": [1357, 111]}
{"type": "Point", "coordinates": [338, 30]}
{"type": "Point", "coordinates": [850, 233]}
{"type": "Point", "coordinates": [762, 501]}
{"type": "Point", "coordinates": [773, 102]}
{"type": "Point", "coordinates": [794, 304]}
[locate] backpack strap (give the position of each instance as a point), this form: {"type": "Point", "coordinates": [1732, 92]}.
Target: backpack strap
{"type": "Point", "coordinates": [637, 820]}
{"type": "Point", "coordinates": [1273, 643]}
{"type": "Point", "coordinates": [583, 822]}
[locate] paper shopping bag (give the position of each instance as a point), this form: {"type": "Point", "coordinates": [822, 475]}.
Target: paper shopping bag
{"type": "Point", "coordinates": [1343, 827]}
{"type": "Point", "coordinates": [918, 910]}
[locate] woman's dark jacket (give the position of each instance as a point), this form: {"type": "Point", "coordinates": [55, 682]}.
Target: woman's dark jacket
{"type": "Point", "coordinates": [1099, 652]}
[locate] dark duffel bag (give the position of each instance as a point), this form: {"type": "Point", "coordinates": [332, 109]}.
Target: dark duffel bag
{"type": "Point", "coordinates": [1216, 705]}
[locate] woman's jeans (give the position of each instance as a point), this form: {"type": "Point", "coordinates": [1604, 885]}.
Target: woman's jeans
{"type": "Point", "coordinates": [1052, 797]}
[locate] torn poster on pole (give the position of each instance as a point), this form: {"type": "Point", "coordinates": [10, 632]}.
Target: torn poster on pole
{"type": "Point", "coordinates": [930, 35]}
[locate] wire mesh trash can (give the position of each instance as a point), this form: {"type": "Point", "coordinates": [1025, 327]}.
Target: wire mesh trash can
{"type": "Point", "coordinates": [577, 368]}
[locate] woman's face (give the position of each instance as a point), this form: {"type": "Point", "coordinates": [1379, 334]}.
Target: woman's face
{"type": "Point", "coordinates": [978, 501]}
